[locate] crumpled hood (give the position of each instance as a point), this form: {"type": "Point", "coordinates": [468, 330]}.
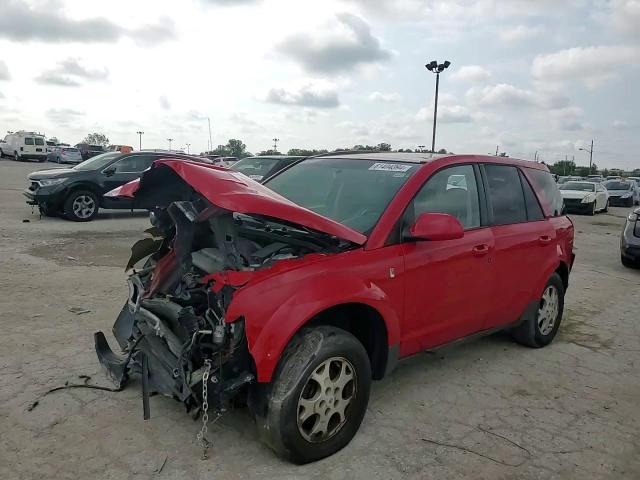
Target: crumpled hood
{"type": "Point", "coordinates": [235, 192]}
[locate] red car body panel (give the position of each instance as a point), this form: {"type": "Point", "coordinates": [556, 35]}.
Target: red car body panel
{"type": "Point", "coordinates": [236, 192]}
{"type": "Point", "coordinates": [427, 292]}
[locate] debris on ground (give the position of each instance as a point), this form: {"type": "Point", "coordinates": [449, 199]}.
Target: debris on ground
{"type": "Point", "coordinates": [78, 310]}
{"type": "Point", "coordinates": [72, 258]}
{"type": "Point", "coordinates": [68, 385]}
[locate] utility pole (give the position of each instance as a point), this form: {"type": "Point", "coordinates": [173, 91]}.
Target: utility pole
{"type": "Point", "coordinates": [188, 145]}
{"type": "Point", "coordinates": [535, 156]}
{"type": "Point", "coordinates": [564, 168]}
{"type": "Point", "coordinates": [210, 141]}
{"type": "Point", "coordinates": [436, 68]}
{"type": "Point", "coordinates": [140, 139]}
{"type": "Point", "coordinates": [497, 147]}
{"type": "Point", "coordinates": [275, 144]}
{"type": "Point", "coordinates": [169, 140]}
{"type": "Point", "coordinates": [590, 150]}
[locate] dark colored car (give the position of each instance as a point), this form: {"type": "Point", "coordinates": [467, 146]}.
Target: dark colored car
{"type": "Point", "coordinates": [630, 240]}
{"type": "Point", "coordinates": [300, 291]}
{"type": "Point", "coordinates": [623, 193]}
{"type": "Point", "coordinates": [261, 168]}
{"type": "Point", "coordinates": [88, 151]}
{"type": "Point", "coordinates": [78, 192]}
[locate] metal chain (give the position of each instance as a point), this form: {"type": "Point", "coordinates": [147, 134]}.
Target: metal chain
{"type": "Point", "coordinates": [201, 437]}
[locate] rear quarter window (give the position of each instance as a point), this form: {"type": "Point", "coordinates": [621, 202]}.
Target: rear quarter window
{"type": "Point", "coordinates": [28, 141]}
{"type": "Point", "coordinates": [547, 191]}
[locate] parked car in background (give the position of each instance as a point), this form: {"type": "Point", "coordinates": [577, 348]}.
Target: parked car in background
{"type": "Point", "coordinates": [120, 148]}
{"type": "Point", "coordinates": [568, 178]}
{"type": "Point", "coordinates": [64, 154]}
{"type": "Point", "coordinates": [630, 240]}
{"type": "Point", "coordinates": [594, 178]}
{"type": "Point", "coordinates": [77, 193]}
{"type": "Point", "coordinates": [299, 292]}
{"type": "Point", "coordinates": [624, 193]}
{"type": "Point", "coordinates": [261, 168]}
{"type": "Point", "coordinates": [613, 177]}
{"type": "Point", "coordinates": [87, 151]}
{"type": "Point", "coordinates": [24, 145]}
{"type": "Point", "coordinates": [584, 197]}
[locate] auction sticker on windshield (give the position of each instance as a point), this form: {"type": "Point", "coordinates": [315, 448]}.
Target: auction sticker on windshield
{"type": "Point", "coordinates": [390, 167]}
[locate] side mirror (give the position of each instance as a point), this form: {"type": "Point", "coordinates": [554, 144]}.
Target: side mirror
{"type": "Point", "coordinates": [109, 171]}
{"type": "Point", "coordinates": [436, 226]}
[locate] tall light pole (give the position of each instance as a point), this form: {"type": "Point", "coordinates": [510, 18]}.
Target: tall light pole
{"type": "Point", "coordinates": [169, 140]}
{"type": "Point", "coordinates": [140, 141]}
{"type": "Point", "coordinates": [210, 140]}
{"type": "Point", "coordinates": [421, 148]}
{"type": "Point", "coordinates": [590, 150]}
{"type": "Point", "coordinates": [188, 145]}
{"type": "Point", "coordinates": [435, 67]}
{"type": "Point", "coordinates": [275, 144]}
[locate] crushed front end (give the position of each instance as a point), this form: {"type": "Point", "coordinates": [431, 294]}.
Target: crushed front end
{"type": "Point", "coordinates": [173, 329]}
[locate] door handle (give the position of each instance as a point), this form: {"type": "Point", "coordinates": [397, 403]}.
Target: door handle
{"type": "Point", "coordinates": [480, 250]}
{"type": "Point", "coordinates": [544, 240]}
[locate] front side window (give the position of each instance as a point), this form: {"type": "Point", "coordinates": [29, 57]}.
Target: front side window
{"type": "Point", "coordinates": [28, 141]}
{"type": "Point", "coordinates": [354, 192]}
{"type": "Point", "coordinates": [453, 191]}
{"type": "Point", "coordinates": [255, 167]}
{"type": "Point", "coordinates": [133, 164]}
{"type": "Point", "coordinates": [506, 197]}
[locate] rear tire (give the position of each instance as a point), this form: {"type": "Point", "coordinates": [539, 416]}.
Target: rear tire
{"type": "Point", "coordinates": [318, 396]}
{"type": "Point", "coordinates": [81, 206]}
{"type": "Point", "coordinates": [626, 262]}
{"type": "Point", "coordinates": [540, 329]}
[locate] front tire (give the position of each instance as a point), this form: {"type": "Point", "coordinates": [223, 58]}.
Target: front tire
{"type": "Point", "coordinates": [626, 262]}
{"type": "Point", "coordinates": [318, 397]}
{"type": "Point", "coordinates": [606, 207]}
{"type": "Point", "coordinates": [592, 210]}
{"type": "Point", "coordinates": [540, 329]}
{"type": "Point", "coordinates": [81, 206]}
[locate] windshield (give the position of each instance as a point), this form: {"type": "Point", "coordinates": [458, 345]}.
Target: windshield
{"type": "Point", "coordinates": [255, 167]}
{"type": "Point", "coordinates": [578, 186]}
{"type": "Point", "coordinates": [617, 185]}
{"type": "Point", "coordinates": [98, 162]}
{"type": "Point", "coordinates": [349, 191]}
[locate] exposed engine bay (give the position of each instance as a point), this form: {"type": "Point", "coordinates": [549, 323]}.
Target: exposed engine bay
{"type": "Point", "coordinates": [172, 328]}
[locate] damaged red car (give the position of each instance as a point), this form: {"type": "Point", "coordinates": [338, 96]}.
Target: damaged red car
{"type": "Point", "coordinates": [296, 294]}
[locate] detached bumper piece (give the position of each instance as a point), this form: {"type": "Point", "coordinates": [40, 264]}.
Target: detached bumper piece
{"type": "Point", "coordinates": [163, 345]}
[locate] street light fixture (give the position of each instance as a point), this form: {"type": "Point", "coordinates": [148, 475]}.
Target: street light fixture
{"type": "Point", "coordinates": [421, 148]}
{"type": "Point", "coordinates": [275, 144]}
{"type": "Point", "coordinates": [169, 140]}
{"type": "Point", "coordinates": [188, 145]}
{"type": "Point", "coordinates": [140, 140]}
{"type": "Point", "coordinates": [437, 68]}
{"type": "Point", "coordinates": [590, 150]}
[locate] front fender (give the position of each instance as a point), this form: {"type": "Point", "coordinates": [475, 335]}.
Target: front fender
{"type": "Point", "coordinates": [269, 329]}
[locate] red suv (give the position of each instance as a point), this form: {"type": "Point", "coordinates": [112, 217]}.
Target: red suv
{"type": "Point", "coordinates": [298, 293]}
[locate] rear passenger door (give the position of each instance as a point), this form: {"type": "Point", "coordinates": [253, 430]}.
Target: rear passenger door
{"type": "Point", "coordinates": [524, 241]}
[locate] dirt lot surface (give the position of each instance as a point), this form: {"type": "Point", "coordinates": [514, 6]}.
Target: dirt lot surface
{"type": "Point", "coordinates": [487, 409]}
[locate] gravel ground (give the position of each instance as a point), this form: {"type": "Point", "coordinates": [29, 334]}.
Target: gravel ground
{"type": "Point", "coordinates": [487, 409]}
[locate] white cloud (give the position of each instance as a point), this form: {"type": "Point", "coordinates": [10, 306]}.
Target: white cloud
{"type": "Point", "coordinates": [446, 114]}
{"type": "Point", "coordinates": [384, 97]}
{"type": "Point", "coordinates": [591, 65]}
{"type": "Point", "coordinates": [624, 17]}
{"type": "Point", "coordinates": [501, 95]}
{"type": "Point", "coordinates": [519, 33]}
{"type": "Point", "coordinates": [4, 71]}
{"type": "Point", "coordinates": [318, 95]}
{"type": "Point", "coordinates": [621, 124]}
{"type": "Point", "coordinates": [339, 46]}
{"type": "Point", "coordinates": [472, 74]}
{"type": "Point", "coordinates": [164, 102]}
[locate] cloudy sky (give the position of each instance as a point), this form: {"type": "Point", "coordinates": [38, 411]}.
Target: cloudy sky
{"type": "Point", "coordinates": [527, 75]}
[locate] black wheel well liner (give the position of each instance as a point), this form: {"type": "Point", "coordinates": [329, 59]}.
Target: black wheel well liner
{"type": "Point", "coordinates": [363, 322]}
{"type": "Point", "coordinates": [563, 272]}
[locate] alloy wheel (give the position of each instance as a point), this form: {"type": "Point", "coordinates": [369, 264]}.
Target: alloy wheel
{"type": "Point", "coordinates": [84, 206]}
{"type": "Point", "coordinates": [548, 310]}
{"type": "Point", "coordinates": [324, 402]}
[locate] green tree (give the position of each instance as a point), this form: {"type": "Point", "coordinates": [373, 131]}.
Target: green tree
{"type": "Point", "coordinates": [96, 139]}
{"type": "Point", "coordinates": [237, 148]}
{"type": "Point", "coordinates": [563, 167]}
{"type": "Point", "coordinates": [303, 152]}
{"type": "Point", "coordinates": [384, 147]}
{"type": "Point", "coordinates": [270, 152]}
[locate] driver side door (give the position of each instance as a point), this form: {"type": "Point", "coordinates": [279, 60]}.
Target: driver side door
{"type": "Point", "coordinates": [448, 284]}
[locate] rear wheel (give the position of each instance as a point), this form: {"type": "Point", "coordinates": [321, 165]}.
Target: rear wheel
{"type": "Point", "coordinates": [81, 206]}
{"type": "Point", "coordinates": [318, 397]}
{"type": "Point", "coordinates": [540, 329]}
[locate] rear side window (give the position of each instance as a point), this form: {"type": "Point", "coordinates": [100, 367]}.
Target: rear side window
{"type": "Point", "coordinates": [28, 141]}
{"type": "Point", "coordinates": [506, 197]}
{"type": "Point", "coordinates": [39, 141]}
{"type": "Point", "coordinates": [544, 185]}
{"type": "Point", "coordinates": [534, 212]}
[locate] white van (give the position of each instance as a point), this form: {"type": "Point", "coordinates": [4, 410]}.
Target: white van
{"type": "Point", "coordinates": [24, 146]}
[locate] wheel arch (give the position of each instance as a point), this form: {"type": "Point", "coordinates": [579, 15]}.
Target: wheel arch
{"type": "Point", "coordinates": [563, 271]}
